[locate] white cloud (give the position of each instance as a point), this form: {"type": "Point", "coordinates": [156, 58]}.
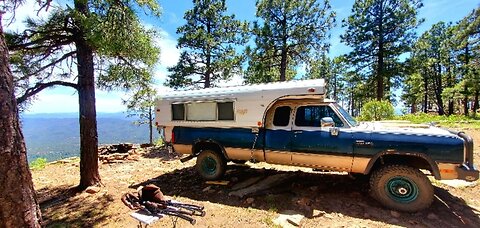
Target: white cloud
{"type": "Point", "coordinates": [235, 80]}
{"type": "Point", "coordinates": [64, 101]}
{"type": "Point", "coordinates": [30, 8]}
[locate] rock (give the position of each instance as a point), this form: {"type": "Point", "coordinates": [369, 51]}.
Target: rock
{"type": "Point", "coordinates": [246, 183]}
{"type": "Point", "coordinates": [92, 189]}
{"type": "Point", "coordinates": [289, 219]}
{"type": "Point", "coordinates": [394, 221]}
{"type": "Point", "coordinates": [395, 214]}
{"type": "Point", "coordinates": [317, 213]}
{"type": "Point", "coordinates": [269, 182]}
{"type": "Point", "coordinates": [207, 189]}
{"type": "Point", "coordinates": [432, 216]}
{"type": "Point", "coordinates": [249, 200]}
{"type": "Point", "coordinates": [303, 201]}
{"type": "Point", "coordinates": [328, 216]}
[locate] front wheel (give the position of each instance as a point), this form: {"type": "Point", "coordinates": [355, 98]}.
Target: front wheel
{"type": "Point", "coordinates": [210, 165]}
{"type": "Point", "coordinates": [401, 188]}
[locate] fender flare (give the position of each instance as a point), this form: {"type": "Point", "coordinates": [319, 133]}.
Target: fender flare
{"type": "Point", "coordinates": [431, 163]}
{"type": "Point", "coordinates": [196, 143]}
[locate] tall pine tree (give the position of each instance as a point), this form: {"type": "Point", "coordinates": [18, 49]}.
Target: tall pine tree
{"type": "Point", "coordinates": [288, 34]}
{"type": "Point", "coordinates": [92, 43]}
{"type": "Point", "coordinates": [208, 41]}
{"type": "Point", "coordinates": [379, 31]}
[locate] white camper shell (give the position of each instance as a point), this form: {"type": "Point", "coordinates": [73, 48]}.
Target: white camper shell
{"type": "Point", "coordinates": [238, 106]}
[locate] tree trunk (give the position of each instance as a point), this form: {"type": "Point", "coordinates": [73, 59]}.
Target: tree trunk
{"type": "Point", "coordinates": [18, 204]}
{"type": "Point", "coordinates": [438, 89]}
{"type": "Point", "coordinates": [413, 109]}
{"type": "Point", "coordinates": [475, 102]}
{"type": "Point", "coordinates": [284, 59]}
{"type": "Point", "coordinates": [465, 87]}
{"type": "Point", "coordinates": [208, 73]}
{"type": "Point", "coordinates": [86, 99]}
{"type": "Point", "coordinates": [380, 56]}
{"type": "Point", "coordinates": [150, 124]}
{"type": "Point", "coordinates": [425, 96]}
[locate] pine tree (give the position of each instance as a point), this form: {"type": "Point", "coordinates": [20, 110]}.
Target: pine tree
{"type": "Point", "coordinates": [379, 31]}
{"type": "Point", "coordinates": [107, 44]}
{"type": "Point", "coordinates": [290, 32]}
{"type": "Point", "coordinates": [18, 203]}
{"type": "Point", "coordinates": [208, 41]}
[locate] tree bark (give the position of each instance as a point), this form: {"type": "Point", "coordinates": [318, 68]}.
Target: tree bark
{"type": "Point", "coordinates": [150, 124]}
{"type": "Point", "coordinates": [475, 102]}
{"type": "Point", "coordinates": [465, 87]}
{"type": "Point", "coordinates": [89, 174]}
{"type": "Point", "coordinates": [284, 55]}
{"type": "Point", "coordinates": [438, 89]}
{"type": "Point", "coordinates": [380, 56]}
{"type": "Point", "coordinates": [425, 96]}
{"type": "Point", "coordinates": [18, 204]}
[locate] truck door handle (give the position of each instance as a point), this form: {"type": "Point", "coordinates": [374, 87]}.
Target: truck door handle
{"type": "Point", "coordinates": [297, 132]}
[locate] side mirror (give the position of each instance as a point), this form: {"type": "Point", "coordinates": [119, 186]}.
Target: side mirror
{"type": "Point", "coordinates": [327, 122]}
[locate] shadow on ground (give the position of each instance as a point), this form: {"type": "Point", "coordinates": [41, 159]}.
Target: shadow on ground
{"type": "Point", "coordinates": [315, 195]}
{"type": "Point", "coordinates": [62, 208]}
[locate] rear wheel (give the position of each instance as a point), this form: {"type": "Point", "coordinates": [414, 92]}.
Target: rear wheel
{"type": "Point", "coordinates": [401, 188]}
{"type": "Point", "coordinates": [210, 165]}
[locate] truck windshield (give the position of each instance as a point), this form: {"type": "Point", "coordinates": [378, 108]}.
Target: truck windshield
{"type": "Point", "coordinates": [346, 115]}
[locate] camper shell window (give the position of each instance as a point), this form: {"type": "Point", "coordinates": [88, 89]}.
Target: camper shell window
{"type": "Point", "coordinates": [178, 112]}
{"type": "Point", "coordinates": [225, 111]}
{"type": "Point", "coordinates": [281, 117]}
{"type": "Point", "coordinates": [203, 111]}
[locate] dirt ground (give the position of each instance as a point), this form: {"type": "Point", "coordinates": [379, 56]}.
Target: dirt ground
{"type": "Point", "coordinates": [327, 200]}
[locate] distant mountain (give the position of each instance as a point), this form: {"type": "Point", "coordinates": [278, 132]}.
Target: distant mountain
{"type": "Point", "coordinates": [56, 135]}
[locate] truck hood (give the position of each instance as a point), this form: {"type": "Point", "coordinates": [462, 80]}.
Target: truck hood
{"type": "Point", "coordinates": [404, 128]}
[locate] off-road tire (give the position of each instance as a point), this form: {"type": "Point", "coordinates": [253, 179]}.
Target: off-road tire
{"type": "Point", "coordinates": [211, 165]}
{"type": "Point", "coordinates": [401, 188]}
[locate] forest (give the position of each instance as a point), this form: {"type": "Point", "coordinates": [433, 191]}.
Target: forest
{"type": "Point", "coordinates": [434, 72]}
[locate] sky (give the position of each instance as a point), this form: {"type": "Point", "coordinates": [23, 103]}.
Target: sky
{"type": "Point", "coordinates": [65, 100]}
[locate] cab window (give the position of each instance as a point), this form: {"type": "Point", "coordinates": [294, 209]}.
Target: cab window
{"type": "Point", "coordinates": [311, 116]}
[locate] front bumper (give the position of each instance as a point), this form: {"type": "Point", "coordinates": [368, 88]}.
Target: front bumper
{"type": "Point", "coordinates": [468, 173]}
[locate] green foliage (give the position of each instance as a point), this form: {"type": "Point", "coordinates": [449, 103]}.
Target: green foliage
{"type": "Point", "coordinates": [208, 42]}
{"type": "Point", "coordinates": [332, 70]}
{"type": "Point", "coordinates": [377, 110]}
{"type": "Point", "coordinates": [45, 54]}
{"type": "Point", "coordinates": [38, 164]}
{"type": "Point", "coordinates": [453, 121]}
{"type": "Point", "coordinates": [379, 31]}
{"type": "Point", "coordinates": [142, 105]}
{"type": "Point", "coordinates": [289, 33]}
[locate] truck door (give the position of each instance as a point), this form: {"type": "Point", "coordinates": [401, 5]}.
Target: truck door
{"type": "Point", "coordinates": [313, 145]}
{"type": "Point", "coordinates": [278, 136]}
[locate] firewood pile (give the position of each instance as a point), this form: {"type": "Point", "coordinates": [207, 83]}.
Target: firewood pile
{"type": "Point", "coordinates": [115, 153]}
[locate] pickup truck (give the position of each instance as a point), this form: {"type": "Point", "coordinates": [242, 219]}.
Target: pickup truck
{"type": "Point", "coordinates": [292, 123]}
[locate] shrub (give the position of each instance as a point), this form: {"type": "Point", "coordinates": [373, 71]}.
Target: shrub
{"type": "Point", "coordinates": [38, 164]}
{"type": "Point", "coordinates": [376, 110]}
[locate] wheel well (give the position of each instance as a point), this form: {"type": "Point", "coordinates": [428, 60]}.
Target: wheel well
{"type": "Point", "coordinates": [207, 145]}
{"type": "Point", "coordinates": [407, 160]}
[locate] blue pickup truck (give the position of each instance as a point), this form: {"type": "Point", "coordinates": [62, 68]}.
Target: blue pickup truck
{"type": "Point", "coordinates": [293, 124]}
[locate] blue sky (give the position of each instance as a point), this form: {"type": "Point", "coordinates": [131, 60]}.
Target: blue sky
{"type": "Point", "coordinates": [65, 100]}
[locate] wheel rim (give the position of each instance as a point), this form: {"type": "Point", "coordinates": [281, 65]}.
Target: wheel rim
{"type": "Point", "coordinates": [402, 189]}
{"type": "Point", "coordinates": [209, 166]}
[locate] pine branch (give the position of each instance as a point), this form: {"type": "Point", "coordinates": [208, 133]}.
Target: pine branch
{"type": "Point", "coordinates": [41, 86]}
